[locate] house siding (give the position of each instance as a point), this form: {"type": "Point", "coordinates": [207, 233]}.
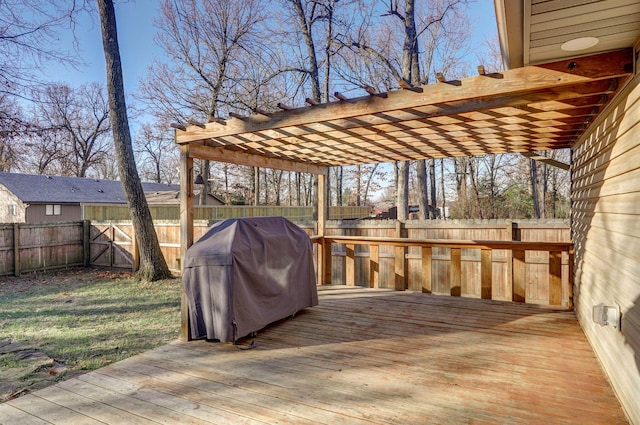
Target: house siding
{"type": "Point", "coordinates": [606, 234]}
{"type": "Point", "coordinates": [36, 213]}
{"type": "Point", "coordinates": [7, 199]}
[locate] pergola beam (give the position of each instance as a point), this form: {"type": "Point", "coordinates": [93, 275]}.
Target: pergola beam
{"type": "Point", "coordinates": [544, 159]}
{"type": "Point", "coordinates": [220, 154]}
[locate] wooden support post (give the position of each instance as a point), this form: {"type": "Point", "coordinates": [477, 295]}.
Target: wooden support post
{"type": "Point", "coordinates": [318, 263]}
{"type": "Point", "coordinates": [400, 263]}
{"type": "Point", "coordinates": [86, 243]}
{"type": "Point", "coordinates": [555, 278]}
{"type": "Point", "coordinates": [455, 272]}
{"type": "Point", "coordinates": [486, 273]}
{"type": "Point", "coordinates": [400, 276]}
{"type": "Point", "coordinates": [350, 266]}
{"type": "Point", "coordinates": [374, 266]}
{"type": "Point", "coordinates": [519, 292]}
{"type": "Point", "coordinates": [186, 230]}
{"type": "Point", "coordinates": [570, 278]}
{"type": "Point", "coordinates": [16, 249]}
{"type": "Point", "coordinates": [324, 252]}
{"type": "Point", "coordinates": [426, 269]}
{"type": "Point", "coordinates": [327, 260]}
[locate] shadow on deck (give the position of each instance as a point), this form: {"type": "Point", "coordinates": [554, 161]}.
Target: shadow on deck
{"type": "Point", "coordinates": [361, 356]}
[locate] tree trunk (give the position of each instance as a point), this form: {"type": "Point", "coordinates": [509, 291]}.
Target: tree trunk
{"type": "Point", "coordinates": [443, 213]}
{"type": "Point", "coordinates": [256, 186]}
{"type": "Point", "coordinates": [423, 200]}
{"type": "Point", "coordinates": [339, 189]}
{"type": "Point", "coordinates": [204, 189]}
{"type": "Point", "coordinates": [534, 188]}
{"type": "Point", "coordinates": [402, 185]}
{"type": "Point", "coordinates": [473, 174]}
{"type": "Point", "coordinates": [358, 185]}
{"type": "Point", "coordinates": [545, 187]}
{"type": "Point", "coordinates": [298, 189]}
{"type": "Point", "coordinates": [432, 177]}
{"type": "Point", "coordinates": [152, 263]}
{"type": "Point", "coordinates": [368, 184]}
{"type": "Point", "coordinates": [289, 188]}
{"type": "Point", "coordinates": [307, 35]}
{"type": "Point", "coordinates": [411, 74]}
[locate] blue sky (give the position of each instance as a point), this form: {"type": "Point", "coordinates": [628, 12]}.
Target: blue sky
{"type": "Point", "coordinates": [138, 50]}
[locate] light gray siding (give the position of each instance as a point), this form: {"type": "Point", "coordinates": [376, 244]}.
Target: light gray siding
{"type": "Point", "coordinates": [12, 210]}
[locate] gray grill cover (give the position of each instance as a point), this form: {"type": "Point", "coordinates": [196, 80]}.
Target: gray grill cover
{"type": "Point", "coordinates": [251, 271]}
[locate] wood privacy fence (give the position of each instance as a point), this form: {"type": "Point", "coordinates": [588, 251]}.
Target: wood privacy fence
{"type": "Point", "coordinates": [43, 246]}
{"type": "Point", "coordinates": [118, 212]}
{"type": "Point", "coordinates": [503, 260]}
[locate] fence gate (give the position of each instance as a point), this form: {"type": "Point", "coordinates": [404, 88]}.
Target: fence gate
{"type": "Point", "coordinates": [113, 245]}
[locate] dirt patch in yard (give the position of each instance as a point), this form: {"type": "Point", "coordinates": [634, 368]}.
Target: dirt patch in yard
{"type": "Point", "coordinates": [24, 369]}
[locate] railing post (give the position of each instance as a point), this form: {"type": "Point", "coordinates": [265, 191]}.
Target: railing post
{"type": "Point", "coordinates": [555, 278]}
{"type": "Point", "coordinates": [486, 274]}
{"type": "Point", "coordinates": [374, 266]}
{"type": "Point", "coordinates": [400, 266]}
{"type": "Point", "coordinates": [570, 277]}
{"type": "Point", "coordinates": [455, 272]}
{"type": "Point", "coordinates": [350, 265]}
{"type": "Point", "coordinates": [426, 269]}
{"type": "Point", "coordinates": [519, 286]}
{"type": "Point", "coordinates": [327, 259]}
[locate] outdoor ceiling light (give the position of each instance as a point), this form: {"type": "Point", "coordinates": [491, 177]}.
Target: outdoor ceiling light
{"type": "Point", "coordinates": [580, 43]}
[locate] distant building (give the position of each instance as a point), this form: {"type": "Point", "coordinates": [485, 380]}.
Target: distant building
{"type": "Point", "coordinates": [28, 198]}
{"type": "Point", "coordinates": [413, 211]}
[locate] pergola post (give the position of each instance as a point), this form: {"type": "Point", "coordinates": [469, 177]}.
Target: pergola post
{"type": "Point", "coordinates": [324, 249]}
{"type": "Point", "coordinates": [186, 229]}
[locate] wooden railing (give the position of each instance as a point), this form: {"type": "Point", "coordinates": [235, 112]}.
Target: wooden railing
{"type": "Point", "coordinates": [560, 286]}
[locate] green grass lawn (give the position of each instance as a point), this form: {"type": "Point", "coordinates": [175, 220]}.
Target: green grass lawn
{"type": "Point", "coordinates": [79, 320]}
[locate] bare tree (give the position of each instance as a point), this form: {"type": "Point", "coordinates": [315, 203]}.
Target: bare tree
{"type": "Point", "coordinates": [210, 45]}
{"type": "Point", "coordinates": [152, 263]}
{"type": "Point", "coordinates": [413, 60]}
{"type": "Point", "coordinates": [81, 117]}
{"type": "Point", "coordinates": [12, 124]}
{"type": "Point", "coordinates": [157, 153]}
{"type": "Point", "coordinates": [44, 151]}
{"type": "Point", "coordinates": [28, 38]}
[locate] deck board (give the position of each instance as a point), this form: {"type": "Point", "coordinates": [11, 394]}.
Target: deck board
{"type": "Point", "coordinates": [363, 356]}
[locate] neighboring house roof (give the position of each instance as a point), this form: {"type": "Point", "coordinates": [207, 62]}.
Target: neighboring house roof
{"type": "Point", "coordinates": [34, 189]}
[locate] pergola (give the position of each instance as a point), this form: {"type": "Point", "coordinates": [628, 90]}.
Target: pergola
{"type": "Point", "coordinates": [527, 109]}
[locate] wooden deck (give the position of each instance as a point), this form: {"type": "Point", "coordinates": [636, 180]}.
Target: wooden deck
{"type": "Point", "coordinates": [362, 356]}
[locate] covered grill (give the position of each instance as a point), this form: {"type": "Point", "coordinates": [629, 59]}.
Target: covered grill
{"type": "Point", "coordinates": [246, 273]}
